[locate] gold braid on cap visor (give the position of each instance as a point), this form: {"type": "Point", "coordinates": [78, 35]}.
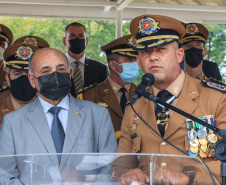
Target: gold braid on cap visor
{"type": "Point", "coordinates": [13, 64]}
{"type": "Point", "coordinates": [3, 36]}
{"type": "Point", "coordinates": [157, 37]}
{"type": "Point", "coordinates": [125, 51]}
{"type": "Point", "coordinates": [190, 38]}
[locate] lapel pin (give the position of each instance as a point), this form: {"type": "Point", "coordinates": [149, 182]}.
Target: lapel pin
{"type": "Point", "coordinates": [77, 112]}
{"type": "Point", "coordinates": [191, 94]}
{"type": "Point", "coordinates": [106, 90]}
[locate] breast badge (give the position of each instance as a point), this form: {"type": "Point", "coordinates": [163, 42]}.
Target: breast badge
{"type": "Point", "coordinates": [201, 139]}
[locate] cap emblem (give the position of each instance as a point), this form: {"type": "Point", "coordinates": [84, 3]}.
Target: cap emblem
{"type": "Point", "coordinates": [24, 53]}
{"type": "Point", "coordinates": [31, 40]}
{"type": "Point", "coordinates": [148, 25]}
{"type": "Point", "coordinates": [192, 29]}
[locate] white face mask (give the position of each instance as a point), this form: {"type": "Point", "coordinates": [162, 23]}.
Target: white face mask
{"type": "Point", "coordinates": [1, 53]}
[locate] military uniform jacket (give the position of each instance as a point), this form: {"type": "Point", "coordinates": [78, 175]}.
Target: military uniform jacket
{"type": "Point", "coordinates": [5, 107]}
{"type": "Point", "coordinates": [194, 99]}
{"type": "Point", "coordinates": [104, 95]}
{"type": "Point", "coordinates": [3, 83]}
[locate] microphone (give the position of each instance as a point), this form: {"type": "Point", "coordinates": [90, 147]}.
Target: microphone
{"type": "Point", "coordinates": [147, 80]}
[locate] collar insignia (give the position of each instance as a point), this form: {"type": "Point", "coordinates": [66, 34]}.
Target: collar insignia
{"type": "Point", "coordinates": [24, 53]}
{"type": "Point", "coordinates": [192, 29]}
{"type": "Point", "coordinates": [148, 25]}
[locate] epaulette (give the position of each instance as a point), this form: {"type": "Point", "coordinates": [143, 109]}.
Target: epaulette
{"type": "Point", "coordinates": [217, 81]}
{"type": "Point", "coordinates": [4, 89]}
{"type": "Point", "coordinates": [86, 88]}
{"type": "Point", "coordinates": [219, 87]}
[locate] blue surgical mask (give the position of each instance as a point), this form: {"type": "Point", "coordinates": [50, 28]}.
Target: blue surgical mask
{"type": "Point", "coordinates": [130, 72]}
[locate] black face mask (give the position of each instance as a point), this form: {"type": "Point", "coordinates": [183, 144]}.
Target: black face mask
{"type": "Point", "coordinates": [21, 89]}
{"type": "Point", "coordinates": [55, 86]}
{"type": "Point", "coordinates": [77, 45]}
{"type": "Point", "coordinates": [193, 57]}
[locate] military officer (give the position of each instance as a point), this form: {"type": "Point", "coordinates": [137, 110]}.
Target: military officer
{"type": "Point", "coordinates": [157, 40]}
{"type": "Point", "coordinates": [33, 40]}
{"type": "Point", "coordinates": [6, 38]}
{"type": "Point", "coordinates": [21, 92]}
{"type": "Point", "coordinates": [193, 44]}
{"type": "Point", "coordinates": [118, 88]}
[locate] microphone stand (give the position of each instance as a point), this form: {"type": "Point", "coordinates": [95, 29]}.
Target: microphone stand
{"type": "Point", "coordinates": [220, 147]}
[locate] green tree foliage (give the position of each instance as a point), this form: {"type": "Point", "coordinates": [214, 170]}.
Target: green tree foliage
{"type": "Point", "coordinates": [101, 33]}
{"type": "Point", "coordinates": [216, 43]}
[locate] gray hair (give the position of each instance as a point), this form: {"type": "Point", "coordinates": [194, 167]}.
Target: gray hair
{"type": "Point", "coordinates": [30, 68]}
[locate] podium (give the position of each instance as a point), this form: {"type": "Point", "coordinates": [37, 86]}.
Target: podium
{"type": "Point", "coordinates": [97, 168]}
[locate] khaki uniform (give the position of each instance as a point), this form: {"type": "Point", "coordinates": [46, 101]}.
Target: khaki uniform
{"type": "Point", "coordinates": [5, 107]}
{"type": "Point", "coordinates": [194, 99]}
{"type": "Point", "coordinates": [104, 95]}
{"type": "Point", "coordinates": [3, 83]}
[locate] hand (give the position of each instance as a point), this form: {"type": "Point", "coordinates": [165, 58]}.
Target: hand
{"type": "Point", "coordinates": [175, 177]}
{"type": "Point", "coordinates": [134, 175]}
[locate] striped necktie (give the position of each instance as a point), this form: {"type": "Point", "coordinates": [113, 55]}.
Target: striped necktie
{"type": "Point", "coordinates": [77, 78]}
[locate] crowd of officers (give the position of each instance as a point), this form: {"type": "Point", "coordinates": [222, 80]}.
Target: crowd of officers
{"type": "Point", "coordinates": [170, 50]}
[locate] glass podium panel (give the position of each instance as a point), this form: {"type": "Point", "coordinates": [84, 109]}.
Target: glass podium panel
{"type": "Point", "coordinates": [99, 169]}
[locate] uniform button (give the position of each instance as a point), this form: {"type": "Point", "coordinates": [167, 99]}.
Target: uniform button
{"type": "Point", "coordinates": [163, 164]}
{"type": "Point", "coordinates": [163, 143]}
{"type": "Point", "coordinates": [135, 148]}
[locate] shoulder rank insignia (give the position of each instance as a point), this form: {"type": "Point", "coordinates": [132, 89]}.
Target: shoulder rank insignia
{"type": "Point", "coordinates": [86, 88]}
{"type": "Point", "coordinates": [217, 81]}
{"type": "Point", "coordinates": [118, 134]}
{"type": "Point", "coordinates": [216, 86]}
{"type": "Point", "coordinates": [103, 104]}
{"type": "Point", "coordinates": [80, 96]}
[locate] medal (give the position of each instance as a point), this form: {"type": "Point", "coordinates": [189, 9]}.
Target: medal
{"type": "Point", "coordinates": [194, 149]}
{"type": "Point", "coordinates": [192, 135]}
{"type": "Point", "coordinates": [212, 138]}
{"type": "Point", "coordinates": [194, 143]}
{"type": "Point", "coordinates": [202, 134]}
{"type": "Point", "coordinates": [134, 126]}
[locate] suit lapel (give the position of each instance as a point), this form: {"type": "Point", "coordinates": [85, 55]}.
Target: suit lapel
{"type": "Point", "coordinates": [76, 119]}
{"type": "Point", "coordinates": [38, 120]}
{"type": "Point", "coordinates": [187, 95]}
{"type": "Point", "coordinates": [87, 72]}
{"type": "Point", "coordinates": [110, 98]}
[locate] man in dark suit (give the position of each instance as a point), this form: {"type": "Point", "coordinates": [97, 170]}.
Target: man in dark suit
{"type": "Point", "coordinates": [193, 44]}
{"type": "Point", "coordinates": [85, 71]}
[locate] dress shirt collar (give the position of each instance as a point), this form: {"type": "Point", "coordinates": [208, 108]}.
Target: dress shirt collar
{"type": "Point", "coordinates": [175, 87]}
{"type": "Point", "coordinates": [71, 60]}
{"type": "Point", "coordinates": [117, 87]}
{"type": "Point", "coordinates": [64, 103]}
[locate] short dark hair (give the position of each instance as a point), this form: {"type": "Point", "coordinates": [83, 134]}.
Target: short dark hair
{"type": "Point", "coordinates": [74, 24]}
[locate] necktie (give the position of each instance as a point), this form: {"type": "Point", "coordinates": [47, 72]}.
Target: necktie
{"type": "Point", "coordinates": [77, 78]}
{"type": "Point", "coordinates": [165, 96]}
{"type": "Point", "coordinates": [57, 131]}
{"type": "Point", "coordinates": [123, 100]}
